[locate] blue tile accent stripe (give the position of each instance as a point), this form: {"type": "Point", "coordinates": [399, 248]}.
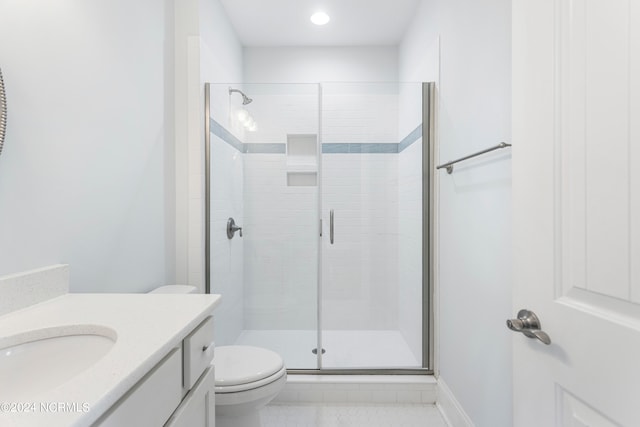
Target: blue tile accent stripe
{"type": "Point", "coordinates": [359, 148]}
{"type": "Point", "coordinates": [221, 132]}
{"type": "Point", "coordinates": [413, 136]}
{"type": "Point", "coordinates": [335, 148]}
{"type": "Point", "coordinates": [218, 130]}
{"type": "Point", "coordinates": [329, 148]}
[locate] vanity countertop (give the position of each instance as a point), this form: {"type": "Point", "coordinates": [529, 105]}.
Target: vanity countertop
{"type": "Point", "coordinates": [147, 326]}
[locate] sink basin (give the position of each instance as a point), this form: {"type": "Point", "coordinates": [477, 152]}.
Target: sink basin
{"type": "Point", "coordinates": [37, 361]}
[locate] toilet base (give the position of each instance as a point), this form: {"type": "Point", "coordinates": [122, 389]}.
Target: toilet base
{"type": "Point", "coordinates": [243, 409]}
{"type": "Point", "coordinates": [251, 419]}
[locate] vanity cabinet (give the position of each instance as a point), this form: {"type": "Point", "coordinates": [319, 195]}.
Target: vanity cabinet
{"type": "Point", "coordinates": [178, 392]}
{"type": "Point", "coordinates": [198, 407]}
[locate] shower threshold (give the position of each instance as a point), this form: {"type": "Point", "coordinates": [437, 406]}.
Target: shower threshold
{"type": "Point", "coordinates": [342, 349]}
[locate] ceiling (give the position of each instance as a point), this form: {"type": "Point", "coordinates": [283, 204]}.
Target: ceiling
{"type": "Point", "coordinates": [353, 22]}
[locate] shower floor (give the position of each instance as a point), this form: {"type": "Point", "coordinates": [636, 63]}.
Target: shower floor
{"type": "Point", "coordinates": [344, 349]}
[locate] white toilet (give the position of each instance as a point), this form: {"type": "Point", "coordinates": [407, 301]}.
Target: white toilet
{"type": "Point", "coordinates": [247, 378]}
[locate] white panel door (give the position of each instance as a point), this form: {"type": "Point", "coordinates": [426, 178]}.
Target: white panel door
{"type": "Point", "coordinates": [576, 182]}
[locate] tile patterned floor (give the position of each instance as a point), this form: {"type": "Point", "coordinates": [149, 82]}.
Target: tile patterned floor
{"type": "Point", "coordinates": [365, 415]}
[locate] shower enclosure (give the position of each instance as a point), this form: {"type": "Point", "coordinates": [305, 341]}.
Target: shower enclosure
{"type": "Point", "coordinates": [318, 222]}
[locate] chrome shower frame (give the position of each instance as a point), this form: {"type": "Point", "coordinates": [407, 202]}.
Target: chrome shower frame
{"type": "Point", "coordinates": [428, 237]}
{"type": "Point", "coordinates": [207, 187]}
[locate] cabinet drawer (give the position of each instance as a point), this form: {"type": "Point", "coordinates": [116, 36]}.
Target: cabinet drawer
{"type": "Point", "coordinates": [152, 400]}
{"type": "Point", "coordinates": [198, 407]}
{"type": "Point", "coordinates": [198, 351]}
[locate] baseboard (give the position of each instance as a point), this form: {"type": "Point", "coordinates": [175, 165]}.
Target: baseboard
{"type": "Point", "coordinates": [450, 408]}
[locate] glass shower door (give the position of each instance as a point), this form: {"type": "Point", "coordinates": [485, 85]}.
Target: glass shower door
{"type": "Point", "coordinates": [326, 182]}
{"type": "Point", "coordinates": [264, 174]}
{"type": "Point", "coordinates": [371, 277]}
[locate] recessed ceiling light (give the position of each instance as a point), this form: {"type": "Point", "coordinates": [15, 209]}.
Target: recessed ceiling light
{"type": "Point", "coordinates": [320, 18]}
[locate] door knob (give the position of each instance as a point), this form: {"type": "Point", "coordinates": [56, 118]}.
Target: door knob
{"type": "Point", "coordinates": [529, 324]}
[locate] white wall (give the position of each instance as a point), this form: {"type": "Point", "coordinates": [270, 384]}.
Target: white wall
{"type": "Point", "coordinates": [84, 176]}
{"type": "Point", "coordinates": [207, 50]}
{"type": "Point", "coordinates": [474, 280]}
{"type": "Point", "coordinates": [320, 64]}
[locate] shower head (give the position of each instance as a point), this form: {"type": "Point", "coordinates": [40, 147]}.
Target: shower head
{"type": "Point", "coordinates": [245, 99]}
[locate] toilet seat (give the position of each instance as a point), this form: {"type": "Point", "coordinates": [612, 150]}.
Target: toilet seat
{"type": "Point", "coordinates": [239, 368]}
{"type": "Point", "coordinates": [252, 385]}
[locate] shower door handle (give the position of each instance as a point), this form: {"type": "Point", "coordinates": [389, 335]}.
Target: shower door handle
{"type": "Point", "coordinates": [3, 112]}
{"type": "Point", "coordinates": [331, 226]}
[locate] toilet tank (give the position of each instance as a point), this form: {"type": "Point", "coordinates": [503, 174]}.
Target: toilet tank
{"type": "Point", "coordinates": [175, 289]}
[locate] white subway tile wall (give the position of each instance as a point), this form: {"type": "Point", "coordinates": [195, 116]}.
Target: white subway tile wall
{"type": "Point", "coordinates": [226, 257]}
{"type": "Point", "coordinates": [281, 221]}
{"type": "Point", "coordinates": [360, 268]}
{"type": "Point", "coordinates": [360, 112]}
{"type": "Point", "coordinates": [281, 250]}
{"type": "Point", "coordinates": [410, 253]}
{"type": "Point", "coordinates": [282, 109]}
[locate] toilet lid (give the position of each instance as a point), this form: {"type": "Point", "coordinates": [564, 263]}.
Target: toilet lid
{"type": "Point", "coordinates": [242, 364]}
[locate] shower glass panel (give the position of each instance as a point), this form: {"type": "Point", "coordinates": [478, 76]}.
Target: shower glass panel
{"type": "Point", "coordinates": [326, 182]}
{"type": "Point", "coordinates": [371, 289]}
{"type": "Point", "coordinates": [264, 174]}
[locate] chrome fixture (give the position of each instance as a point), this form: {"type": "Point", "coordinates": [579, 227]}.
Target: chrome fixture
{"type": "Point", "coordinates": [3, 112]}
{"type": "Point", "coordinates": [449, 165]}
{"type": "Point", "coordinates": [245, 99]}
{"type": "Point", "coordinates": [529, 324]}
{"type": "Point", "coordinates": [207, 187]}
{"type": "Point", "coordinates": [331, 226]}
{"type": "Point", "coordinates": [232, 228]}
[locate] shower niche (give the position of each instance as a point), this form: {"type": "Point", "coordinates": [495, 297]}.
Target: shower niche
{"type": "Point", "coordinates": [302, 160]}
{"type": "Point", "coordinates": [330, 192]}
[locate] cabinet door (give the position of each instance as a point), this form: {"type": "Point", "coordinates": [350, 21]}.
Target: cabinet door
{"type": "Point", "coordinates": [150, 402]}
{"type": "Point", "coordinates": [198, 407]}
